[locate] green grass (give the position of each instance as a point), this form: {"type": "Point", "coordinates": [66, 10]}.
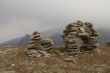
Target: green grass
{"type": "Point", "coordinates": [60, 49]}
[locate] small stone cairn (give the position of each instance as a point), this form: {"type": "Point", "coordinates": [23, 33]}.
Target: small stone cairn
{"type": "Point", "coordinates": [37, 46]}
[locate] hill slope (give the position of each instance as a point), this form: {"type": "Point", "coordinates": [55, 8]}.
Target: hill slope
{"type": "Point", "coordinates": [20, 41]}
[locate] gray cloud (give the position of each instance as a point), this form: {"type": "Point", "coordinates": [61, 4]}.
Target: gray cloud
{"type": "Point", "coordinates": [18, 17]}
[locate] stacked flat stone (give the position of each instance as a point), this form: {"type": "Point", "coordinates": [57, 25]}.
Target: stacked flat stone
{"type": "Point", "coordinates": [90, 39]}
{"type": "Point", "coordinates": [93, 43]}
{"type": "Point", "coordinates": [35, 44]}
{"type": "Point", "coordinates": [80, 30]}
{"type": "Point", "coordinates": [70, 39]}
{"type": "Point", "coordinates": [35, 41]}
{"type": "Point", "coordinates": [39, 46]}
{"type": "Point", "coordinates": [47, 43]}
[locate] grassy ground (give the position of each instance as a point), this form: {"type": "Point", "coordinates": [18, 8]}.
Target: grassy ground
{"type": "Point", "coordinates": [15, 60]}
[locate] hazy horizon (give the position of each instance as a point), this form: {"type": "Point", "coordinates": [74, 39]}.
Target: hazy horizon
{"type": "Point", "coordinates": [20, 17]}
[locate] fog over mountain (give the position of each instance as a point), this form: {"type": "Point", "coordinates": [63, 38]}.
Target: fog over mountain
{"type": "Point", "coordinates": [20, 17]}
{"type": "Point", "coordinates": [55, 35]}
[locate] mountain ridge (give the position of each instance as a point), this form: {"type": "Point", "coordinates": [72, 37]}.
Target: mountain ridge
{"type": "Point", "coordinates": [55, 34]}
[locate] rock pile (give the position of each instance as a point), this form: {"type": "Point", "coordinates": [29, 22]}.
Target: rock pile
{"type": "Point", "coordinates": [37, 46]}
{"type": "Point", "coordinates": [35, 42]}
{"type": "Point", "coordinates": [90, 42]}
{"type": "Point", "coordinates": [79, 30]}
{"type": "Point", "coordinates": [47, 43]}
{"type": "Point", "coordinates": [70, 39]}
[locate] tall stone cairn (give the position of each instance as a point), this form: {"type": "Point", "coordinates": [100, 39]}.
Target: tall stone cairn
{"type": "Point", "coordinates": [80, 30]}
{"type": "Point", "coordinates": [35, 41]}
{"type": "Point", "coordinates": [70, 39]}
{"type": "Point", "coordinates": [90, 40]}
{"type": "Point", "coordinates": [35, 44]}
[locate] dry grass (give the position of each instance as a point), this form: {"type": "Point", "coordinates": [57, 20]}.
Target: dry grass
{"type": "Point", "coordinates": [15, 60]}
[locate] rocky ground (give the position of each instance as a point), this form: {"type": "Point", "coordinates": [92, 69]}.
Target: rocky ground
{"type": "Point", "coordinates": [15, 60]}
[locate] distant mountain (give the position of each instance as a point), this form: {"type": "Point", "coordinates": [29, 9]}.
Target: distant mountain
{"type": "Point", "coordinates": [56, 36]}
{"type": "Point", "coordinates": [21, 41]}
{"type": "Point", "coordinates": [104, 37]}
{"type": "Point", "coordinates": [12, 42]}
{"type": "Point", "coordinates": [25, 40]}
{"type": "Point", "coordinates": [58, 40]}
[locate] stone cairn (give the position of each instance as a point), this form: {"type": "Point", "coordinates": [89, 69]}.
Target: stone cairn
{"type": "Point", "coordinates": [79, 30]}
{"type": "Point", "coordinates": [36, 46]}
{"type": "Point", "coordinates": [47, 44]}
{"type": "Point", "coordinates": [70, 39]}
{"type": "Point", "coordinates": [90, 42]}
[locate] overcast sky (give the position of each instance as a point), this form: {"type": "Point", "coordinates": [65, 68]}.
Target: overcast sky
{"type": "Point", "coordinates": [19, 17]}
